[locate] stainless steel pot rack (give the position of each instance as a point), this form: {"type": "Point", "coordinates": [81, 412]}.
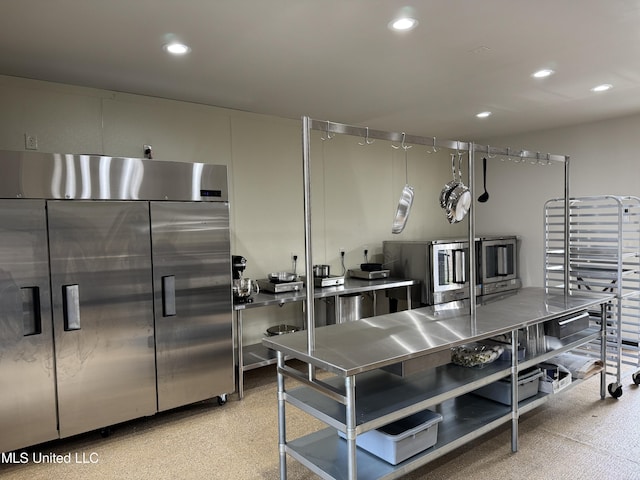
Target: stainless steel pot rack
{"type": "Point", "coordinates": [328, 128]}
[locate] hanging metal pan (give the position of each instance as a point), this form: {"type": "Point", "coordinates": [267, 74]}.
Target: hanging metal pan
{"type": "Point", "coordinates": [458, 204]}
{"type": "Point", "coordinates": [404, 207]}
{"type": "Point", "coordinates": [406, 198]}
{"type": "Point", "coordinates": [459, 199]}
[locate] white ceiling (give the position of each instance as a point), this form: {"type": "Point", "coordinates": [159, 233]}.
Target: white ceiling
{"type": "Point", "coordinates": [337, 60]}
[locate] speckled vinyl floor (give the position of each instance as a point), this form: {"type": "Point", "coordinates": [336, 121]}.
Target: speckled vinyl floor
{"type": "Point", "coordinates": [574, 436]}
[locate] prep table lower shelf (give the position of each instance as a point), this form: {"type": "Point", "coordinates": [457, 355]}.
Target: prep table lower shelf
{"type": "Point", "coordinates": [465, 418]}
{"type": "Point", "coordinates": [256, 356]}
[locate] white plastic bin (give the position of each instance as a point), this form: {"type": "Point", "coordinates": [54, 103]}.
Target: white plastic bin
{"type": "Point", "coordinates": [500, 391]}
{"type": "Point", "coordinates": [402, 439]}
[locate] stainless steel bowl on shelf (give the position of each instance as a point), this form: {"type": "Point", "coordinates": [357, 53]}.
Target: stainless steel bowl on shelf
{"type": "Point", "coordinates": [281, 330]}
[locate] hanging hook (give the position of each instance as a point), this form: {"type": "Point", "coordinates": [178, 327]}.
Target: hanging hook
{"type": "Point", "coordinates": [433, 148]}
{"type": "Point", "coordinates": [366, 139]}
{"type": "Point", "coordinates": [329, 137]}
{"type": "Point", "coordinates": [406, 163]}
{"type": "Point", "coordinates": [403, 146]}
{"type": "Point", "coordinates": [548, 159]}
{"type": "Point", "coordinates": [537, 160]}
{"type": "Point", "coordinates": [453, 166]}
{"type": "Point", "coordinates": [460, 155]}
{"type": "Point", "coordinates": [489, 152]}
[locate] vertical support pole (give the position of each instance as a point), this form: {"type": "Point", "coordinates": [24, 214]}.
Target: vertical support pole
{"type": "Point", "coordinates": [472, 237]}
{"type": "Point", "coordinates": [567, 212]}
{"type": "Point", "coordinates": [306, 174]}
{"type": "Point", "coordinates": [350, 388]}
{"type": "Point", "coordinates": [514, 391]}
{"type": "Point", "coordinates": [282, 432]}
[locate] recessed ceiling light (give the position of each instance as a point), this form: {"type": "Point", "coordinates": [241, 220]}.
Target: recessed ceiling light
{"type": "Point", "coordinates": [545, 72]}
{"type": "Point", "coordinates": [483, 114]}
{"type": "Point", "coordinates": [177, 48]}
{"type": "Point", "coordinates": [403, 24]}
{"type": "Point", "coordinates": [602, 88]}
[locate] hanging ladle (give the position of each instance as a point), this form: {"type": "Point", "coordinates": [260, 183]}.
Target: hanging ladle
{"type": "Point", "coordinates": [406, 197]}
{"type": "Point", "coordinates": [485, 196]}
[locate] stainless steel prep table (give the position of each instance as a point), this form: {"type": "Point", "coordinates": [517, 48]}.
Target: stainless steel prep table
{"type": "Point", "coordinates": [355, 352]}
{"type": "Point", "coordinates": [257, 355]}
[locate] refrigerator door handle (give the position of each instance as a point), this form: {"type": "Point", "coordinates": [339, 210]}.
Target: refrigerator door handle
{"type": "Point", "coordinates": [71, 307]}
{"type": "Point", "coordinates": [31, 318]}
{"type": "Point", "coordinates": [169, 296]}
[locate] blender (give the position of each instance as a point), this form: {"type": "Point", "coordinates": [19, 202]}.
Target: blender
{"type": "Point", "coordinates": [242, 287]}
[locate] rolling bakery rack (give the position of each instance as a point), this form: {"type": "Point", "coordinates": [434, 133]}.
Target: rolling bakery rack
{"type": "Point", "coordinates": [356, 393]}
{"type": "Point", "coordinates": [604, 256]}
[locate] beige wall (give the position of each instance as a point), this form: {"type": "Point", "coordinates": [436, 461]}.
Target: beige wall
{"type": "Point", "coordinates": [355, 188]}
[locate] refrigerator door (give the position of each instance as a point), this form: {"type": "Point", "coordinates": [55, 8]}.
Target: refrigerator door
{"type": "Point", "coordinates": [27, 369]}
{"type": "Point", "coordinates": [100, 255]}
{"type": "Point", "coordinates": [193, 303]}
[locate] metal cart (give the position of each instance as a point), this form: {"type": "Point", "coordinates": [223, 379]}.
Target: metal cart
{"type": "Point", "coordinates": [604, 256]}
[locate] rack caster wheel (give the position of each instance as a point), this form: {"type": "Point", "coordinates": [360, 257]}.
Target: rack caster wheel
{"type": "Point", "coordinates": [615, 390]}
{"type": "Point", "coordinates": [222, 399]}
{"type": "Point", "coordinates": [636, 378]}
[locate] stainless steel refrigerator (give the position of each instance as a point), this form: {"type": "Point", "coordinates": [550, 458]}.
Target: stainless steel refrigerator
{"type": "Point", "coordinates": [138, 315]}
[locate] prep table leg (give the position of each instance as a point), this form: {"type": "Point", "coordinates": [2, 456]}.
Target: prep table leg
{"type": "Point", "coordinates": [240, 369]}
{"type": "Point", "coordinates": [282, 433]}
{"type": "Point", "coordinates": [603, 350]}
{"type": "Point", "coordinates": [514, 392]}
{"type": "Point", "coordinates": [374, 298]}
{"type": "Point", "coordinates": [350, 387]}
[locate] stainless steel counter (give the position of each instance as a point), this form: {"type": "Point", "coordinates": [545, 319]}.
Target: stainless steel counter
{"type": "Point", "coordinates": [351, 285]}
{"type": "Point", "coordinates": [354, 347]}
